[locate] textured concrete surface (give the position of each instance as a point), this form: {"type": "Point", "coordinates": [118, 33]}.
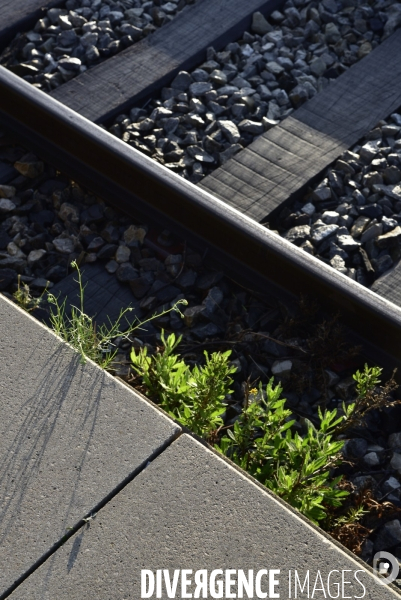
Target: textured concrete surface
{"type": "Point", "coordinates": [190, 510]}
{"type": "Point", "coordinates": [69, 434]}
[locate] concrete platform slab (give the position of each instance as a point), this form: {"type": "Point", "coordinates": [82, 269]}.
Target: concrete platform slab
{"type": "Point", "coordinates": [189, 509]}
{"type": "Point", "coordinates": [70, 434]}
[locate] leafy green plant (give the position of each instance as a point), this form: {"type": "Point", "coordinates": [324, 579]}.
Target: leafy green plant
{"type": "Point", "coordinates": [195, 397]}
{"type": "Point", "coordinates": [79, 329]}
{"type": "Point", "coordinates": [370, 395]}
{"type": "Point", "coordinates": [263, 440]}
{"type": "Point", "coordinates": [295, 467]}
{"type": "Point", "coordinates": [353, 516]}
{"type": "Point", "coordinates": [367, 380]}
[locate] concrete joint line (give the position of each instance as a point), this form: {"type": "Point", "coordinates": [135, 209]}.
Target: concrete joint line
{"type": "Point", "coordinates": [85, 521]}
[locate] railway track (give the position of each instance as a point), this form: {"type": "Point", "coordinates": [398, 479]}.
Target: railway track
{"type": "Point", "coordinates": [225, 212]}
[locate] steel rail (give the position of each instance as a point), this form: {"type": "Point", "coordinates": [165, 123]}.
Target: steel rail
{"type": "Point", "coordinates": [135, 184]}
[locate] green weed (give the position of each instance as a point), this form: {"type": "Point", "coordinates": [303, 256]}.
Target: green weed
{"type": "Point", "coordinates": [80, 330]}
{"type": "Point", "coordinates": [370, 396]}
{"type": "Point", "coordinates": [24, 298]}
{"type": "Point", "coordinates": [195, 397]}
{"type": "Point", "coordinates": [298, 468]}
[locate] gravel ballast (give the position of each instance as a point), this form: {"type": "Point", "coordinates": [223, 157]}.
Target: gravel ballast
{"type": "Point", "coordinates": [209, 114]}
{"type": "Point", "coordinates": [351, 219]}
{"type": "Point", "coordinates": [69, 40]}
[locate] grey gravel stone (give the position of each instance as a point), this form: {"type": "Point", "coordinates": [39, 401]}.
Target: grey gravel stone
{"type": "Point", "coordinates": [97, 244]}
{"type": "Point", "coordinates": [182, 81]}
{"type": "Point", "coordinates": [64, 244]}
{"type": "Point", "coordinates": [35, 255]}
{"type": "Point", "coordinates": [322, 192]}
{"type": "Point", "coordinates": [330, 217]}
{"type": "Point", "coordinates": [318, 67]}
{"type": "Point", "coordinates": [134, 235]}
{"type": "Point", "coordinates": [359, 226]}
{"type": "Point", "coordinates": [259, 24]}
{"type": "Point", "coordinates": [199, 154]}
{"type": "Point", "coordinates": [382, 264]}
{"type": "Point", "coordinates": [70, 64]}
{"type": "Point", "coordinates": [274, 67]}
{"type": "Point", "coordinates": [355, 448]}
{"type": "Point", "coordinates": [202, 332]}
{"type": "Point", "coordinates": [371, 459]}
{"type": "Point", "coordinates": [395, 462]}
{"type": "Point", "coordinates": [111, 266]}
{"type": "Point", "coordinates": [321, 233]}
{"type": "Point", "coordinates": [251, 127]}
{"type": "Point", "coordinates": [281, 367]}
{"type": "Point", "coordinates": [369, 150]}
{"type": "Point", "coordinates": [139, 286]}
{"type": "Point", "coordinates": [394, 440]}
{"type": "Point", "coordinates": [390, 239]}
{"type": "Point", "coordinates": [347, 243]}
{"type": "Point", "coordinates": [200, 88]}
{"type": "Point", "coordinates": [230, 152]}
{"type": "Point", "coordinates": [394, 19]}
{"type": "Point", "coordinates": [12, 262]}
{"type": "Point", "coordinates": [391, 174]}
{"type": "Point", "coordinates": [332, 33]}
{"type": "Point", "coordinates": [230, 130]}
{"type": "Point", "coordinates": [371, 232]}
{"type": "Point", "coordinates": [392, 191]}
{"type": "Point", "coordinates": [391, 484]}
{"type": "Point", "coordinates": [69, 213]}
{"type": "Point", "coordinates": [308, 247]}
{"type": "Point", "coordinates": [298, 234]}
{"type": "Point", "coordinates": [389, 535]}
{"type": "Point", "coordinates": [309, 209]}
{"type": "Point", "coordinates": [126, 272]}
{"type": "Point", "coordinates": [123, 254]}
{"type": "Point", "coordinates": [338, 263]}
{"type": "Point", "coordinates": [332, 378]}
{"type": "Point", "coordinates": [6, 206]}
{"type": "Point", "coordinates": [6, 192]}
